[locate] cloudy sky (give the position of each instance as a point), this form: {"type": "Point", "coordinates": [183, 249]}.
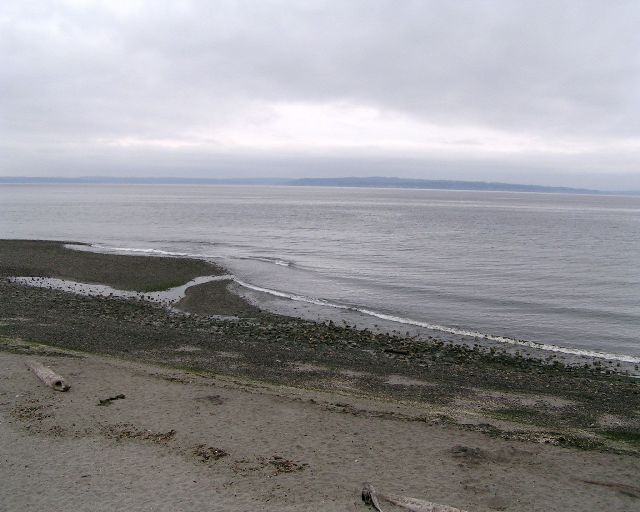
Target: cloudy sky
{"type": "Point", "coordinates": [543, 92]}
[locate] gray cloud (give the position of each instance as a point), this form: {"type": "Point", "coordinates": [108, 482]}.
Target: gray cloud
{"type": "Point", "coordinates": [78, 75]}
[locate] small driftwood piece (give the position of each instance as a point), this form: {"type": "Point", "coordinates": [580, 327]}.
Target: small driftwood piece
{"type": "Point", "coordinates": [48, 376]}
{"type": "Point", "coordinates": [371, 497]}
{"type": "Point", "coordinates": [107, 401]}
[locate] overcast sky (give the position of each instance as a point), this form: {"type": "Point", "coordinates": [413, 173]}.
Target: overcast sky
{"type": "Point", "coordinates": [532, 92]}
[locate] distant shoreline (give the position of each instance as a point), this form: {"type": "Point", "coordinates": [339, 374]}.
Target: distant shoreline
{"type": "Point", "coordinates": [347, 182]}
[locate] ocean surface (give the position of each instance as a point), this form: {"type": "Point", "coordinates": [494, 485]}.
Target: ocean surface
{"type": "Point", "coordinates": [560, 270]}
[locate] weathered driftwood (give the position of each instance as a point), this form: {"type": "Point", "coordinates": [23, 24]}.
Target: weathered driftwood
{"type": "Point", "coordinates": [371, 497]}
{"type": "Point", "coordinates": [48, 376]}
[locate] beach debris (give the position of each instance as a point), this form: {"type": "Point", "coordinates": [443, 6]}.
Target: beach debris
{"type": "Point", "coordinates": [275, 465]}
{"type": "Point", "coordinates": [283, 465]}
{"type": "Point", "coordinates": [207, 453]}
{"type": "Point", "coordinates": [371, 497]}
{"type": "Point", "coordinates": [48, 376]}
{"type": "Point", "coordinates": [31, 410]}
{"type": "Point", "coordinates": [129, 431]}
{"type": "Point", "coordinates": [107, 401]}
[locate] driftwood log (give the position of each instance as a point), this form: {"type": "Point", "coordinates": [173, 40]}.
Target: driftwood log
{"type": "Point", "coordinates": [48, 376]}
{"type": "Point", "coordinates": [373, 498]}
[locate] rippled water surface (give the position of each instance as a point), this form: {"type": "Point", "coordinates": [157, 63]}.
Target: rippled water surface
{"type": "Point", "coordinates": [556, 269]}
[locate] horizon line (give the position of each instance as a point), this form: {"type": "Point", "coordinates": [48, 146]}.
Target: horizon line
{"type": "Point", "coordinates": [345, 182]}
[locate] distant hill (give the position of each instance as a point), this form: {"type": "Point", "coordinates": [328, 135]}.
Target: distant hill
{"type": "Point", "coordinates": [369, 182]}
{"type": "Point", "coordinates": [384, 182]}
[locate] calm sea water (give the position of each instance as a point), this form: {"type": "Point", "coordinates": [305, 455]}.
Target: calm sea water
{"type": "Point", "coordinates": [555, 269]}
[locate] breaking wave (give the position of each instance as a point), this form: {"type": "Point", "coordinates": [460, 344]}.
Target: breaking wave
{"type": "Point", "coordinates": [436, 327]}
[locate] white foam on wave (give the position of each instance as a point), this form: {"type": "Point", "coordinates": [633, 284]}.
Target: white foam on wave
{"type": "Point", "coordinates": [120, 250]}
{"type": "Point", "coordinates": [138, 250]}
{"type": "Point", "coordinates": [298, 298]}
{"type": "Point", "coordinates": [148, 251]}
{"type": "Point", "coordinates": [452, 330]}
{"type": "Point", "coordinates": [108, 249]}
{"type": "Point", "coordinates": [127, 249]}
{"type": "Point", "coordinates": [504, 339]}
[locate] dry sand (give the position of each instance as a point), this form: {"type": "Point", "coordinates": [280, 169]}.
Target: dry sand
{"type": "Point", "coordinates": [163, 447]}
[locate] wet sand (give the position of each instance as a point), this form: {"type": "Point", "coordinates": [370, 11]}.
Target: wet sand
{"type": "Point", "coordinates": [429, 420]}
{"type": "Point", "coordinates": [50, 259]}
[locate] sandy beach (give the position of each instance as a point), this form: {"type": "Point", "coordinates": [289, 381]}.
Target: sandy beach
{"type": "Point", "coordinates": [233, 408]}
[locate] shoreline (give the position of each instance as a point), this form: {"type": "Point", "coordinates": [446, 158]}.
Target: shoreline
{"type": "Point", "coordinates": [459, 425]}
{"type": "Point", "coordinates": [284, 350]}
{"type": "Point", "coordinates": [193, 297]}
{"type": "Point", "coordinates": [309, 308]}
